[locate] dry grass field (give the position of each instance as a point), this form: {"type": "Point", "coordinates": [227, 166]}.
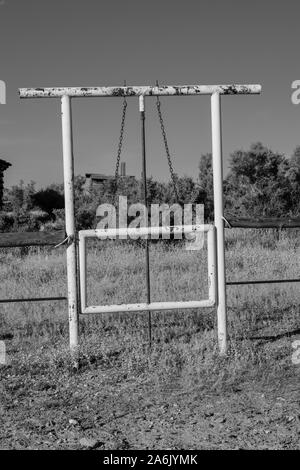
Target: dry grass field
{"type": "Point", "coordinates": [178, 395]}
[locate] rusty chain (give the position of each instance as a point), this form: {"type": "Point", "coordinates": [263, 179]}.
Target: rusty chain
{"type": "Point", "coordinates": [164, 135]}
{"type": "Point", "coordinates": [163, 131]}
{"type": "Point", "coordinates": [120, 146]}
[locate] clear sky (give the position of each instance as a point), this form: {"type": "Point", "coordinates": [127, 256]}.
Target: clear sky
{"type": "Point", "coordinates": [103, 43]}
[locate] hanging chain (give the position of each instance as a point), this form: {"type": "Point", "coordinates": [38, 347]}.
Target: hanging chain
{"type": "Point", "coordinates": [120, 143]}
{"type": "Point", "coordinates": [164, 135]}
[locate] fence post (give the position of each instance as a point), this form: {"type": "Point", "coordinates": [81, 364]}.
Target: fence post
{"type": "Point", "coordinates": [68, 164]}
{"type": "Point", "coordinates": [219, 222]}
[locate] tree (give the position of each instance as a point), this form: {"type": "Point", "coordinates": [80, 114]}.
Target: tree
{"type": "Point", "coordinates": [48, 200]}
{"type": "Point", "coordinates": [19, 196]}
{"type": "Point", "coordinates": [258, 183]}
{"type": "Point", "coordinates": [206, 191]}
{"type": "Point", "coordinates": [292, 172]}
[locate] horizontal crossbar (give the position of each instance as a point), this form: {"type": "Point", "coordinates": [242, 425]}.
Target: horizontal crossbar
{"type": "Point", "coordinates": [144, 307]}
{"type": "Point", "coordinates": [268, 281]}
{"type": "Point", "coordinates": [128, 91]}
{"type": "Point", "coordinates": [144, 231]}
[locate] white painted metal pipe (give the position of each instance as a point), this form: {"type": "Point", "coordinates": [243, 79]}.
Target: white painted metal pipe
{"type": "Point", "coordinates": [68, 162]}
{"type": "Point", "coordinates": [142, 231]}
{"type": "Point", "coordinates": [141, 104]}
{"type": "Point", "coordinates": [211, 262]}
{"type": "Point", "coordinates": [231, 89]}
{"type": "Point", "coordinates": [83, 271]}
{"type": "Point", "coordinates": [144, 307]}
{"type": "Point", "coordinates": [219, 223]}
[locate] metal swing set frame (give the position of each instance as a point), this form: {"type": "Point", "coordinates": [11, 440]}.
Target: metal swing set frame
{"type": "Point", "coordinates": [216, 251]}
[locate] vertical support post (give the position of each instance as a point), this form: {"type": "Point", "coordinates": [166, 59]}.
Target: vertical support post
{"type": "Point", "coordinates": [68, 164]}
{"type": "Point", "coordinates": [143, 137]}
{"type": "Point", "coordinates": [219, 222]}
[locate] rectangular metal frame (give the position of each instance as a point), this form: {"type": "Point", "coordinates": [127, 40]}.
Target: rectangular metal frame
{"type": "Point", "coordinates": [66, 94]}
{"type": "Point", "coordinates": [144, 231]}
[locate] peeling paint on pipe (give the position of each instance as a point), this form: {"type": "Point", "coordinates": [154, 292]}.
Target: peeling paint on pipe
{"type": "Point", "coordinates": [68, 163]}
{"type": "Point", "coordinates": [143, 231]}
{"type": "Point", "coordinates": [153, 306]}
{"type": "Point", "coordinates": [76, 92]}
{"type": "Point", "coordinates": [217, 162]}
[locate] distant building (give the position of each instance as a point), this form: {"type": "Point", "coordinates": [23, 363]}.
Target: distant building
{"type": "Point", "coordinates": [3, 166]}
{"type": "Point", "coordinates": [92, 180]}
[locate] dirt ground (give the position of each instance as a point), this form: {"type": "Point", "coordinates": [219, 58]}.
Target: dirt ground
{"type": "Point", "coordinates": [101, 410]}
